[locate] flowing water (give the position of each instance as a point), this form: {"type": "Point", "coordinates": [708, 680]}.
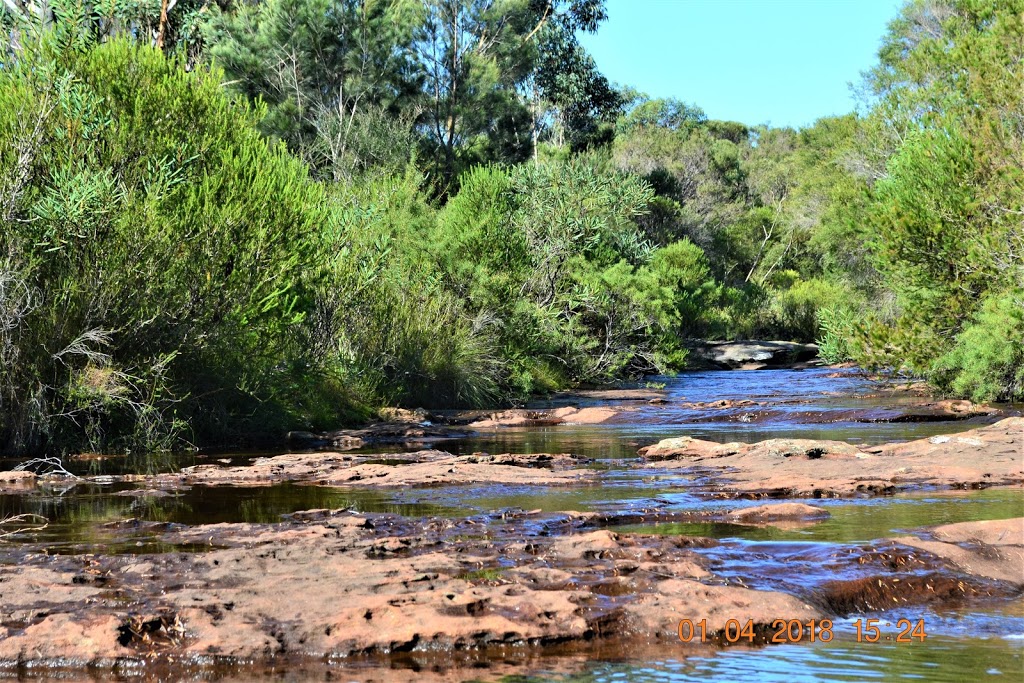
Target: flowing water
{"type": "Point", "coordinates": [982, 643]}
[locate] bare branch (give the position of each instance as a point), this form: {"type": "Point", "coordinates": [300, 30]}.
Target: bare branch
{"type": "Point", "coordinates": [38, 524]}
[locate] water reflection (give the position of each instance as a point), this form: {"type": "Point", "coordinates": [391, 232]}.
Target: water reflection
{"type": "Point", "coordinates": [863, 520]}
{"type": "Point", "coordinates": [121, 518]}
{"type": "Point", "coordinates": [937, 659]}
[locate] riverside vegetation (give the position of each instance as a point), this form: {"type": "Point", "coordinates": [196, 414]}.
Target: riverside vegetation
{"type": "Point", "coordinates": [223, 220]}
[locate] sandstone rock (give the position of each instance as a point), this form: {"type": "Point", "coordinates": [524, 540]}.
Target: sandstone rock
{"type": "Point", "coordinates": [586, 546]}
{"type": "Point", "coordinates": [334, 585]}
{"type": "Point", "coordinates": [778, 511]}
{"type": "Point", "coordinates": [992, 549]}
{"type": "Point", "coordinates": [17, 480]}
{"type": "Point", "coordinates": [992, 455]}
{"type": "Point", "coordinates": [939, 411]}
{"type": "Point", "coordinates": [546, 418]}
{"type": "Point", "coordinates": [756, 354]}
{"type": "Point", "coordinates": [657, 615]}
{"type": "Point", "coordinates": [585, 416]}
{"type": "Point", "coordinates": [809, 449]}
{"type": "Point", "coordinates": [421, 468]}
{"type": "Point", "coordinates": [417, 416]}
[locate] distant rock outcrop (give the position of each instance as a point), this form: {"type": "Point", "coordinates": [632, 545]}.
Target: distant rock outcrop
{"type": "Point", "coordinates": [755, 355]}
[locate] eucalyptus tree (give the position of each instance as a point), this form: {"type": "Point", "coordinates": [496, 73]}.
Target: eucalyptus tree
{"type": "Point", "coordinates": [337, 76]}
{"type": "Point", "coordinates": [473, 56]}
{"type": "Point", "coordinates": [166, 24]}
{"type": "Point", "coordinates": [500, 75]}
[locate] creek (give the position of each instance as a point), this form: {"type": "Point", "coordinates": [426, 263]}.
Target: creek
{"type": "Point", "coordinates": [983, 641]}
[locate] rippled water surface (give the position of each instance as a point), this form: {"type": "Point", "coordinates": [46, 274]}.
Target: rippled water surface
{"type": "Point", "coordinates": [984, 643]}
{"type": "Point", "coordinates": [939, 658]}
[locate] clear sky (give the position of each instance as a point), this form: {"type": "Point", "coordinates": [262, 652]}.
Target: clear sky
{"type": "Point", "coordinates": [784, 62]}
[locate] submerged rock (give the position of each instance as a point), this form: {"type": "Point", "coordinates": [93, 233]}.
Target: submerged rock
{"type": "Point", "coordinates": [992, 549]}
{"type": "Point", "coordinates": [778, 512]}
{"type": "Point", "coordinates": [404, 431]}
{"type": "Point", "coordinates": [938, 411]}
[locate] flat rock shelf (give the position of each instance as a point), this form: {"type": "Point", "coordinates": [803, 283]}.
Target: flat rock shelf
{"type": "Point", "coordinates": [490, 553]}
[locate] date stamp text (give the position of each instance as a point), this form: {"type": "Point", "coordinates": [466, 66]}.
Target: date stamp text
{"type": "Point", "coordinates": [801, 631]}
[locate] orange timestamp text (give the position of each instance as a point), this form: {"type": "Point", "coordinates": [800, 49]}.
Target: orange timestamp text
{"type": "Point", "coordinates": [798, 631]}
{"type": "Point", "coordinates": [907, 631]}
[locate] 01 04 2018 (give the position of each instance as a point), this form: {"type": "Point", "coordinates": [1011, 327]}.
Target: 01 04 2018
{"type": "Point", "coordinates": [801, 631]}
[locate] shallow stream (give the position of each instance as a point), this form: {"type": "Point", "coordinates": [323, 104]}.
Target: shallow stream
{"type": "Point", "coordinates": [985, 642]}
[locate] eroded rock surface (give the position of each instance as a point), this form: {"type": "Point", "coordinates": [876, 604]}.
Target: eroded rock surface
{"type": "Point", "coordinates": [989, 456]}
{"type": "Point", "coordinates": [423, 468]}
{"type": "Point", "coordinates": [340, 584]}
{"type": "Point", "coordinates": [993, 549]}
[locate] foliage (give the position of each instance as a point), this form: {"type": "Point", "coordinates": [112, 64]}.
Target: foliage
{"type": "Point", "coordinates": [167, 25]}
{"type": "Point", "coordinates": [945, 222]}
{"type": "Point", "coordinates": [358, 85]}
{"type": "Point", "coordinates": [335, 75]}
{"type": "Point", "coordinates": [541, 251]}
{"type": "Point", "coordinates": [233, 219]}
{"type": "Point", "coordinates": [156, 251]}
{"type": "Point", "coordinates": [987, 361]}
{"type": "Point", "coordinates": [836, 332]}
{"type": "Point", "coordinates": [381, 306]}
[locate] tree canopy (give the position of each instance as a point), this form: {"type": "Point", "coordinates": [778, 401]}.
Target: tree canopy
{"type": "Point", "coordinates": [235, 218]}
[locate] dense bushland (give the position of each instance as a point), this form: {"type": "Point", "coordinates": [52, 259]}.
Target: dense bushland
{"type": "Point", "coordinates": [158, 252]}
{"type": "Point", "coordinates": [255, 217]}
{"type": "Point", "coordinates": [946, 221]}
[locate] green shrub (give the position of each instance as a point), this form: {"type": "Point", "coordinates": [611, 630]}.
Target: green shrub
{"type": "Point", "coordinates": [795, 310]}
{"type": "Point", "coordinates": [165, 247]}
{"type": "Point", "coordinates": [788, 307]}
{"type": "Point", "coordinates": [686, 297]}
{"type": "Point", "coordinates": [987, 361]}
{"type": "Point", "coordinates": [386, 322]}
{"type": "Point", "coordinates": [836, 330]}
{"type": "Point", "coordinates": [549, 253]}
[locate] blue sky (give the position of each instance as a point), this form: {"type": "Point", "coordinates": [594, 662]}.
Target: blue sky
{"type": "Point", "coordinates": [784, 62]}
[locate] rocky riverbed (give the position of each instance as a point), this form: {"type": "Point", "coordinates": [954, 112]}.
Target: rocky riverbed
{"type": "Point", "coordinates": [495, 564]}
{"type": "Point", "coordinates": [329, 584]}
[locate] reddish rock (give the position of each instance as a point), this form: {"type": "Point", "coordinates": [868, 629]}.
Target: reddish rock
{"type": "Point", "coordinates": [989, 456]}
{"type": "Point", "coordinates": [423, 468]}
{"type": "Point", "coordinates": [778, 512]}
{"type": "Point", "coordinates": [546, 418]}
{"type": "Point", "coordinates": [585, 416]}
{"type": "Point", "coordinates": [17, 481]}
{"type": "Point", "coordinates": [610, 395]}
{"type": "Point", "coordinates": [658, 614]}
{"type": "Point", "coordinates": [991, 549]}
{"type": "Point", "coordinates": [346, 584]}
